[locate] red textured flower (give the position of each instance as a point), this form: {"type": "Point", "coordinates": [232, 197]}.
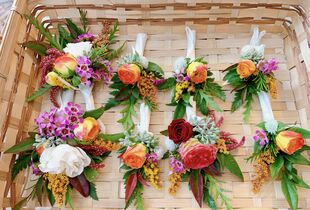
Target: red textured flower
{"type": "Point", "coordinates": [180, 131]}
{"type": "Point", "coordinates": [196, 155]}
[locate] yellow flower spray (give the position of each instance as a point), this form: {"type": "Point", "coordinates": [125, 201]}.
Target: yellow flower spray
{"type": "Point", "coordinates": [58, 184]}
{"type": "Point", "coordinates": [151, 170]}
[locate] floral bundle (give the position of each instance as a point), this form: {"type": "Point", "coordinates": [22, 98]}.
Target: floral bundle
{"type": "Point", "coordinates": [136, 78]}
{"type": "Point", "coordinates": [64, 154]}
{"type": "Point", "coordinates": [73, 58]}
{"type": "Point", "coordinates": [140, 154]}
{"type": "Point", "coordinates": [251, 76]}
{"type": "Point", "coordinates": [278, 147]}
{"type": "Point", "coordinates": [199, 151]}
{"type": "Point", "coordinates": [192, 78]}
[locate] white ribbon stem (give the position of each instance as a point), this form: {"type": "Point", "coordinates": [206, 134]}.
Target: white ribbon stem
{"type": "Point", "coordinates": [140, 43]}
{"type": "Point", "coordinates": [266, 106]}
{"type": "Point", "coordinates": [64, 97]}
{"type": "Point", "coordinates": [191, 42]}
{"type": "Point", "coordinates": [256, 37]}
{"type": "Point", "coordinates": [191, 110]}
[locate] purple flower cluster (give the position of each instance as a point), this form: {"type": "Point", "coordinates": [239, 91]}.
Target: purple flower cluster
{"type": "Point", "coordinates": [176, 165]}
{"type": "Point", "coordinates": [85, 37]}
{"type": "Point", "coordinates": [261, 136]}
{"type": "Point", "coordinates": [267, 66]}
{"type": "Point", "coordinates": [60, 123]}
{"type": "Point", "coordinates": [104, 73]}
{"type": "Point", "coordinates": [180, 77]}
{"type": "Point", "coordinates": [153, 157]}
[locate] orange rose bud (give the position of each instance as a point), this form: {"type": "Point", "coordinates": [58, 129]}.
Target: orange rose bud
{"type": "Point", "coordinates": [289, 141]}
{"type": "Point", "coordinates": [64, 64]}
{"type": "Point", "coordinates": [40, 150]}
{"type": "Point", "coordinates": [197, 72]}
{"type": "Point", "coordinates": [246, 68]}
{"type": "Point", "coordinates": [135, 156]}
{"type": "Point", "coordinates": [129, 74]}
{"type": "Point", "coordinates": [87, 130]}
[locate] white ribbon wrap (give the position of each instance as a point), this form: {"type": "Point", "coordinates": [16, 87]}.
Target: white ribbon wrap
{"type": "Point", "coordinates": [64, 97]}
{"type": "Point", "coordinates": [266, 106]}
{"type": "Point", "coordinates": [190, 53]}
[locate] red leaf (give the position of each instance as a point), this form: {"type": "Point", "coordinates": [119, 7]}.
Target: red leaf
{"type": "Point", "coordinates": [212, 170]}
{"type": "Point", "coordinates": [196, 184]}
{"type": "Point", "coordinates": [131, 185]}
{"type": "Point", "coordinates": [142, 181]}
{"type": "Point", "coordinates": [81, 184]}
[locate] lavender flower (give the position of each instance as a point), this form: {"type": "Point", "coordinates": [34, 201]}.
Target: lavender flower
{"type": "Point", "coordinates": [35, 170]}
{"type": "Point", "coordinates": [176, 165]}
{"type": "Point", "coordinates": [85, 37]}
{"type": "Point", "coordinates": [153, 157]}
{"type": "Point", "coordinates": [261, 136]}
{"type": "Point", "coordinates": [267, 66]}
{"type": "Point", "coordinates": [84, 70]}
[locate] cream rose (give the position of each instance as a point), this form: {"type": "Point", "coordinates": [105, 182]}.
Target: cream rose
{"type": "Point", "coordinates": [64, 159]}
{"type": "Point", "coordinates": [78, 49]}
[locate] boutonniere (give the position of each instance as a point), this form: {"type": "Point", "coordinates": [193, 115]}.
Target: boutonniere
{"type": "Point", "coordinates": [277, 149]}
{"type": "Point", "coordinates": [64, 154]}
{"type": "Point", "coordinates": [192, 80]}
{"type": "Point", "coordinates": [74, 58]}
{"type": "Point", "coordinates": [136, 79]}
{"type": "Point", "coordinates": [199, 152]}
{"type": "Point", "coordinates": [254, 75]}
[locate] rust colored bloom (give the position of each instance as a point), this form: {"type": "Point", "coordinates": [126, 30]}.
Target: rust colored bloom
{"type": "Point", "coordinates": [129, 74]}
{"type": "Point", "coordinates": [246, 68]}
{"type": "Point", "coordinates": [289, 141]}
{"type": "Point", "coordinates": [134, 156]}
{"type": "Point", "coordinates": [88, 129]}
{"type": "Point", "coordinates": [64, 64]}
{"type": "Point", "coordinates": [197, 72]}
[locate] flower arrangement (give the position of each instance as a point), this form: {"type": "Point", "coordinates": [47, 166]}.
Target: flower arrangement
{"type": "Point", "coordinates": [136, 79]}
{"type": "Point", "coordinates": [73, 58]}
{"type": "Point", "coordinates": [64, 154]}
{"type": "Point", "coordinates": [140, 154]}
{"type": "Point", "coordinates": [277, 148]}
{"type": "Point", "coordinates": [199, 151]}
{"type": "Point", "coordinates": [192, 78]}
{"type": "Point", "coordinates": [251, 76]}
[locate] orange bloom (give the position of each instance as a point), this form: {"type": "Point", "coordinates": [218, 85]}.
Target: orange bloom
{"type": "Point", "coordinates": [197, 72]}
{"type": "Point", "coordinates": [129, 73]}
{"type": "Point", "coordinates": [246, 68]}
{"type": "Point", "coordinates": [64, 64]}
{"type": "Point", "coordinates": [87, 130]}
{"type": "Point", "coordinates": [135, 156]}
{"type": "Point", "coordinates": [289, 141]}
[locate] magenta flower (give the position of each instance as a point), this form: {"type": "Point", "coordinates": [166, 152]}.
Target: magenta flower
{"type": "Point", "coordinates": [152, 157]}
{"type": "Point", "coordinates": [85, 37]}
{"type": "Point", "coordinates": [176, 165]}
{"type": "Point", "coordinates": [261, 136]}
{"type": "Point", "coordinates": [267, 66]}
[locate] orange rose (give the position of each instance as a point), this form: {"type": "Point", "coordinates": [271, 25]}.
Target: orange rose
{"type": "Point", "coordinates": [87, 130]}
{"type": "Point", "coordinates": [129, 74]}
{"type": "Point", "coordinates": [246, 68]}
{"type": "Point", "coordinates": [64, 64]}
{"type": "Point", "coordinates": [197, 72]}
{"type": "Point", "coordinates": [135, 156]}
{"type": "Point", "coordinates": [289, 141]}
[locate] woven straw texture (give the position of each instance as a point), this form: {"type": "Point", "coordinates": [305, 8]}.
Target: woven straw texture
{"type": "Point", "coordinates": [223, 27]}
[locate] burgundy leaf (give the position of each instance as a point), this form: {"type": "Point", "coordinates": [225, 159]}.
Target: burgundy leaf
{"type": "Point", "coordinates": [142, 181]}
{"type": "Point", "coordinates": [196, 184]}
{"type": "Point", "coordinates": [231, 142]}
{"type": "Point", "coordinates": [130, 185]}
{"type": "Point", "coordinates": [81, 184]}
{"type": "Point", "coordinates": [212, 170]}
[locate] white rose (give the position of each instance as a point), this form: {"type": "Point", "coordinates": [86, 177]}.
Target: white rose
{"type": "Point", "coordinates": [179, 65]}
{"type": "Point", "coordinates": [78, 49]}
{"type": "Point", "coordinates": [64, 159]}
{"type": "Point", "coordinates": [170, 145]}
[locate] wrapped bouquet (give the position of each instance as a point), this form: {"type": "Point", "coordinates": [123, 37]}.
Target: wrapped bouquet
{"type": "Point", "coordinates": [63, 154]}
{"type": "Point", "coordinates": [254, 75]}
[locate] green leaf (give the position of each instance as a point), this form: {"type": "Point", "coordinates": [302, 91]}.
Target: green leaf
{"type": "Point", "coordinates": [25, 145]}
{"type": "Point", "coordinates": [69, 198]}
{"type": "Point", "coordinates": [276, 166]}
{"type": "Point", "coordinates": [36, 46]}
{"type": "Point", "coordinates": [214, 89]}
{"type": "Point", "coordinates": [156, 69]}
{"type": "Point", "coordinates": [179, 111]}
{"type": "Point", "coordinates": [39, 189]}
{"type": "Point", "coordinates": [39, 92]}
{"type": "Point", "coordinates": [228, 161]}
{"type": "Point", "coordinates": [116, 53]}
{"type": "Point", "coordinates": [20, 204]}
{"type": "Point", "coordinates": [111, 103]}
{"type": "Point", "coordinates": [74, 30]}
{"type": "Point", "coordinates": [111, 137]}
{"type": "Point", "coordinates": [297, 158]}
{"type": "Point", "coordinates": [167, 84]}
{"type": "Point", "coordinates": [21, 163]}
{"type": "Point", "coordinates": [300, 182]}
{"type": "Point", "coordinates": [233, 78]}
{"type": "Point", "coordinates": [90, 174]}
{"type": "Point", "coordinates": [83, 20]}
{"type": "Point", "coordinates": [95, 113]}
{"type": "Point", "coordinates": [248, 107]}
{"type": "Point", "coordinates": [209, 200]}
{"type": "Point", "coordinates": [165, 132]}
{"type": "Point", "coordinates": [76, 81]}
{"type": "Point", "coordinates": [237, 102]}
{"type": "Point", "coordinates": [290, 192]}
{"type": "Point", "coordinates": [50, 195]}
{"type": "Point", "coordinates": [204, 98]}
{"type": "Point", "coordinates": [93, 191]}
{"type": "Point", "coordinates": [305, 133]}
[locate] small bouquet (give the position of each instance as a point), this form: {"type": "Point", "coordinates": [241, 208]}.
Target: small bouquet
{"type": "Point", "coordinates": [140, 154]}
{"type": "Point", "coordinates": [254, 75]}
{"type": "Point", "coordinates": [74, 59]}
{"type": "Point", "coordinates": [136, 79]}
{"type": "Point", "coordinates": [199, 151]}
{"type": "Point", "coordinates": [191, 82]}
{"type": "Point", "coordinates": [277, 148]}
{"type": "Point", "coordinates": [64, 154]}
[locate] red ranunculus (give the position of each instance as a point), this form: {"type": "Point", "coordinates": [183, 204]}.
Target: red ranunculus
{"type": "Point", "coordinates": [196, 155]}
{"type": "Point", "coordinates": [180, 131]}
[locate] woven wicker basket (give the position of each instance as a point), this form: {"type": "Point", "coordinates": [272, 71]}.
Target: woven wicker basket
{"type": "Point", "coordinates": [223, 26]}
